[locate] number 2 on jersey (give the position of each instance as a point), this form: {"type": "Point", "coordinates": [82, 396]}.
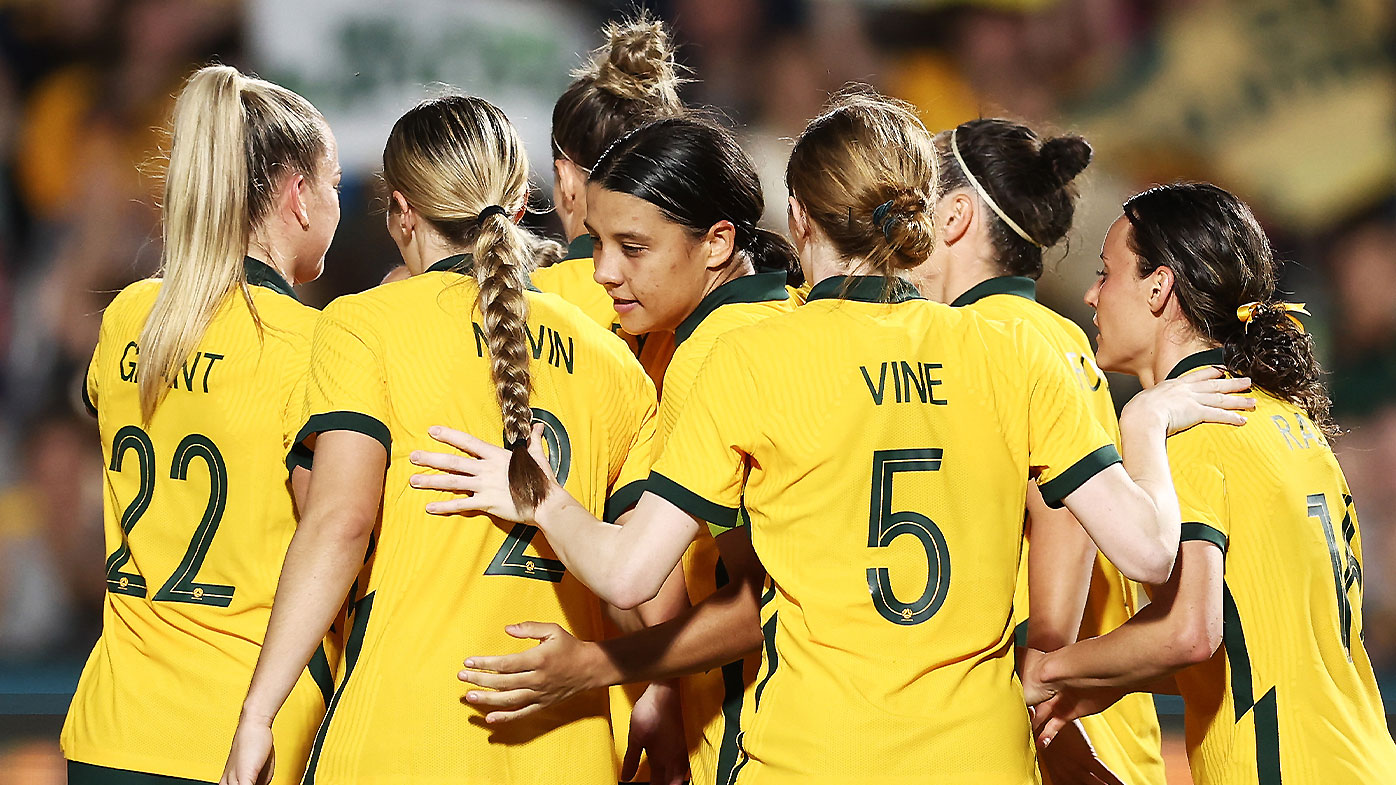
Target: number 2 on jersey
{"type": "Point", "coordinates": [511, 558]}
{"type": "Point", "coordinates": [885, 525]}
{"type": "Point", "coordinates": [181, 586]}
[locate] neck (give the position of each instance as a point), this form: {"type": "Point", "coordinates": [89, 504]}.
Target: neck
{"type": "Point", "coordinates": [426, 251]}
{"type": "Point", "coordinates": [739, 267]}
{"type": "Point", "coordinates": [1168, 352]}
{"type": "Point", "coordinates": [275, 261]}
{"type": "Point", "coordinates": [822, 262]}
{"type": "Point", "coordinates": [966, 270]}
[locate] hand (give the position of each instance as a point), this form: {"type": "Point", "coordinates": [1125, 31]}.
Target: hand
{"type": "Point", "coordinates": [1068, 705]}
{"type": "Point", "coordinates": [482, 474]}
{"type": "Point", "coordinates": [1197, 397]}
{"type": "Point", "coordinates": [656, 727]}
{"type": "Point", "coordinates": [1030, 667]}
{"type": "Point", "coordinates": [1071, 760]}
{"type": "Point", "coordinates": [252, 759]}
{"type": "Point", "coordinates": [559, 667]}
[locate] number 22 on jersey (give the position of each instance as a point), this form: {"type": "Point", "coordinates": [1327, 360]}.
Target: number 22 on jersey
{"type": "Point", "coordinates": [180, 587]}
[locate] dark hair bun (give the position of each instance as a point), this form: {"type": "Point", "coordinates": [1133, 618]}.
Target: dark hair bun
{"type": "Point", "coordinates": [1064, 157]}
{"type": "Point", "coordinates": [908, 228]}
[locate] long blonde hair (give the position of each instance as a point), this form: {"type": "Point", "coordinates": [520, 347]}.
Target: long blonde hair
{"type": "Point", "coordinates": [234, 139]}
{"type": "Point", "coordinates": [452, 158]}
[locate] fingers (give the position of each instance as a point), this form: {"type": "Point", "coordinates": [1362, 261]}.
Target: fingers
{"type": "Point", "coordinates": [631, 765]}
{"type": "Point", "coordinates": [1203, 373]}
{"type": "Point", "coordinates": [446, 462]}
{"type": "Point", "coordinates": [536, 630]}
{"type": "Point", "coordinates": [506, 663]}
{"type": "Point", "coordinates": [1050, 731]}
{"type": "Point", "coordinates": [500, 717]}
{"type": "Point", "coordinates": [501, 682]}
{"type": "Point", "coordinates": [535, 443]}
{"type": "Point", "coordinates": [445, 482]}
{"type": "Point", "coordinates": [509, 700]}
{"type": "Point", "coordinates": [465, 442]}
{"type": "Point", "coordinates": [455, 506]}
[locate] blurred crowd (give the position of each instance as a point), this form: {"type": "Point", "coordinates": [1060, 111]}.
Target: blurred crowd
{"type": "Point", "coordinates": [1290, 103]}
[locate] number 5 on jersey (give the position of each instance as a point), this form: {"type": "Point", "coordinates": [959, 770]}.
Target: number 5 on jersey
{"type": "Point", "coordinates": [886, 525]}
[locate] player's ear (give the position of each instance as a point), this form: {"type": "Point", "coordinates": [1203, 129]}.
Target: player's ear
{"type": "Point", "coordinates": [798, 220]}
{"type": "Point", "coordinates": [402, 219]}
{"type": "Point", "coordinates": [720, 243]}
{"type": "Point", "coordinates": [294, 196]}
{"type": "Point", "coordinates": [956, 211]}
{"type": "Point", "coordinates": [1160, 287]}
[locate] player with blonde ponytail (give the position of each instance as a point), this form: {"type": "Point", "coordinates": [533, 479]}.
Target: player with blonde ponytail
{"type": "Point", "coordinates": [462, 339]}
{"type": "Point", "coordinates": [195, 383]}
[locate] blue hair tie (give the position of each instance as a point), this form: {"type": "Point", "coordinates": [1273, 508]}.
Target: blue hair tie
{"type": "Point", "coordinates": [880, 218]}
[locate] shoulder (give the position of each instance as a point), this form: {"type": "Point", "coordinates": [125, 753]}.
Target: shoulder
{"type": "Point", "coordinates": [555, 277]}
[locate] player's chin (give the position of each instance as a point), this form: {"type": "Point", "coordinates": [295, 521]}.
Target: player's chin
{"type": "Point", "coordinates": [633, 317]}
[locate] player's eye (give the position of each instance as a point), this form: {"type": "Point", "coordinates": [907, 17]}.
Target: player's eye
{"type": "Point", "coordinates": [1100, 273]}
{"type": "Point", "coordinates": [632, 250]}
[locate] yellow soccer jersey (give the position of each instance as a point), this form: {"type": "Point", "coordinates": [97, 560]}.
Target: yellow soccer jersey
{"type": "Point", "coordinates": [712, 701]}
{"type": "Point", "coordinates": [1290, 695]}
{"type": "Point", "coordinates": [888, 654]}
{"type": "Point", "coordinates": [1126, 736]}
{"type": "Point", "coordinates": [390, 363]}
{"type": "Point", "coordinates": [572, 280]}
{"type": "Point", "coordinates": [198, 517]}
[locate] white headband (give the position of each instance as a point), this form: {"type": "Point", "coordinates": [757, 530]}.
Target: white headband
{"type": "Point", "coordinates": [983, 194]}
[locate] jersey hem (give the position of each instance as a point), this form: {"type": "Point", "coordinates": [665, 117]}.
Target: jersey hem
{"type": "Point", "coordinates": [716, 515]}
{"type": "Point", "coordinates": [1061, 486]}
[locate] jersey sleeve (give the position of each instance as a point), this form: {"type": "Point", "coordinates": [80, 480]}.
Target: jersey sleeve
{"type": "Point", "coordinates": [703, 466]}
{"type": "Point", "coordinates": [1066, 443]}
{"type": "Point", "coordinates": [634, 462]}
{"type": "Point", "coordinates": [346, 389]}
{"type": "Point", "coordinates": [89, 383]}
{"type": "Point", "coordinates": [1201, 487]}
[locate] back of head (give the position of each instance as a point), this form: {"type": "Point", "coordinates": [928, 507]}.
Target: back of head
{"type": "Point", "coordinates": [1221, 260]}
{"type": "Point", "coordinates": [865, 173]}
{"type": "Point", "coordinates": [1028, 178]}
{"type": "Point", "coordinates": [234, 139]}
{"type": "Point", "coordinates": [629, 81]}
{"type": "Point", "coordinates": [460, 164]}
{"type": "Point", "coordinates": [697, 175]}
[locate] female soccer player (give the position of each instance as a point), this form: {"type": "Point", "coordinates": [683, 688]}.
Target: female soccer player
{"type": "Point", "coordinates": [631, 80]}
{"type": "Point", "coordinates": [877, 665]}
{"type": "Point", "coordinates": [1265, 603]}
{"type": "Point", "coordinates": [195, 383]}
{"type": "Point", "coordinates": [1007, 195]}
{"type": "Point", "coordinates": [463, 331]}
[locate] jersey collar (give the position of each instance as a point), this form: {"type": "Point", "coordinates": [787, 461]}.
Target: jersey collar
{"type": "Point", "coordinates": [1004, 284]}
{"type": "Point", "coordinates": [581, 248]}
{"type": "Point", "coordinates": [259, 273]}
{"type": "Point", "coordinates": [758, 288]}
{"type": "Point", "coordinates": [1194, 361]}
{"type": "Point", "coordinates": [863, 288]}
{"type": "Point", "coordinates": [460, 263]}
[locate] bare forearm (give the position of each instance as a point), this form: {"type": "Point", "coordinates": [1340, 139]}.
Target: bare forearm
{"type": "Point", "coordinates": [1060, 558]}
{"type": "Point", "coordinates": [1133, 657]}
{"type": "Point", "coordinates": [623, 565]}
{"type": "Point", "coordinates": [1142, 435]}
{"type": "Point", "coordinates": [315, 578]}
{"type": "Point", "coordinates": [724, 627]}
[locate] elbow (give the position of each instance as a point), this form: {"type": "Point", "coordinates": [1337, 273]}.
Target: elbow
{"type": "Point", "coordinates": [1152, 567]}
{"type": "Point", "coordinates": [1197, 641]}
{"type": "Point", "coordinates": [629, 589]}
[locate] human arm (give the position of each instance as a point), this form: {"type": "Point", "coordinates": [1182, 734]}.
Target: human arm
{"type": "Point", "coordinates": [1131, 512]}
{"type": "Point", "coordinates": [623, 565]}
{"type": "Point", "coordinates": [325, 554]}
{"type": "Point", "coordinates": [1060, 558]}
{"type": "Point", "coordinates": [1182, 626]}
{"type": "Point", "coordinates": [723, 627]}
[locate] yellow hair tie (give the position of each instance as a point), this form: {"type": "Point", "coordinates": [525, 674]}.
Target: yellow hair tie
{"type": "Point", "coordinates": [1248, 311]}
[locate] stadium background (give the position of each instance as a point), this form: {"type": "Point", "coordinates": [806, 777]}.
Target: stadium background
{"type": "Point", "coordinates": [1290, 103]}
